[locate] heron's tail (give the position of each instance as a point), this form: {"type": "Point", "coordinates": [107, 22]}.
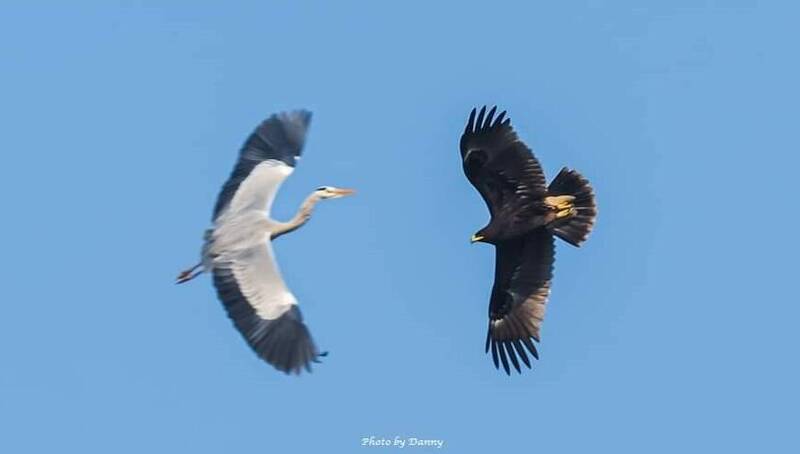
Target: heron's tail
{"type": "Point", "coordinates": [572, 194]}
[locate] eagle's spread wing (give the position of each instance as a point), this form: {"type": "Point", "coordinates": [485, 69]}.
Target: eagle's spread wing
{"type": "Point", "coordinates": [523, 270]}
{"type": "Point", "coordinates": [500, 166]}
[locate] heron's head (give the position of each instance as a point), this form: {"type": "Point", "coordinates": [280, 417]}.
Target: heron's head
{"type": "Point", "coordinates": [329, 192]}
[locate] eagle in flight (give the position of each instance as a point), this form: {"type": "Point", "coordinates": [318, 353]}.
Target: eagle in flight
{"type": "Point", "coordinates": [526, 213]}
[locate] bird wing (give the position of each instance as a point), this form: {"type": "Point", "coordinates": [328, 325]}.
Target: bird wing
{"type": "Point", "coordinates": [263, 309]}
{"type": "Point", "coordinates": [267, 157]}
{"type": "Point", "coordinates": [500, 166]}
{"type": "Point", "coordinates": [523, 271]}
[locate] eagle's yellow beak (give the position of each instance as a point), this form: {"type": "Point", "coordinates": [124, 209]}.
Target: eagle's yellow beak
{"type": "Point", "coordinates": [475, 238]}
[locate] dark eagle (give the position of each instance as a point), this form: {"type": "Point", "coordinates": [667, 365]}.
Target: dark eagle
{"type": "Point", "coordinates": [525, 214]}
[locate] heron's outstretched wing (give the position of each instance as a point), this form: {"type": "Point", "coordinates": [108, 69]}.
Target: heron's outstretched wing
{"type": "Point", "coordinates": [523, 271]}
{"type": "Point", "coordinates": [500, 166]}
{"type": "Point", "coordinates": [251, 287]}
{"type": "Point", "coordinates": [267, 157]}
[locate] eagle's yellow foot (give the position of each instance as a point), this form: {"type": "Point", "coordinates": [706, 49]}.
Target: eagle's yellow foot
{"type": "Point", "coordinates": [561, 214]}
{"type": "Point", "coordinates": [562, 205]}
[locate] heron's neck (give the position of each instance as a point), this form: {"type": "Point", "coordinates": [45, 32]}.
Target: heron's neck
{"type": "Point", "coordinates": [301, 217]}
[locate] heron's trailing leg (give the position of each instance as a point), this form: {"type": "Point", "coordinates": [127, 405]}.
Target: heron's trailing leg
{"type": "Point", "coordinates": [188, 275]}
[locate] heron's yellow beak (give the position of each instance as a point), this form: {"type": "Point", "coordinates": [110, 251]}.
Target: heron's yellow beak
{"type": "Point", "coordinates": [343, 192]}
{"type": "Point", "coordinates": [475, 238]}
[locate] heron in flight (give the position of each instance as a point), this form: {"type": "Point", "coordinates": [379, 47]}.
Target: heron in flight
{"type": "Point", "coordinates": [525, 215]}
{"type": "Point", "coordinates": [238, 246]}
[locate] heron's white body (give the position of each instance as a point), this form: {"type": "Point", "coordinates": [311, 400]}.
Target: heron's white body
{"type": "Point", "coordinates": [241, 241]}
{"type": "Point", "coordinates": [238, 246]}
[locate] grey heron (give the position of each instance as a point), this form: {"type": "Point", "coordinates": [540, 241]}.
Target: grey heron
{"type": "Point", "coordinates": [238, 250]}
{"type": "Point", "coordinates": [525, 215]}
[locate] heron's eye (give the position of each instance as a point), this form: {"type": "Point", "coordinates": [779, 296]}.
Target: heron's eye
{"type": "Point", "coordinates": [322, 188]}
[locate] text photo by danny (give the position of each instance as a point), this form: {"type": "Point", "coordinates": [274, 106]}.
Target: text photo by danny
{"type": "Point", "coordinates": [401, 442]}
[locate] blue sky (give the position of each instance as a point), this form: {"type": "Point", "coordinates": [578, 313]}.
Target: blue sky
{"type": "Point", "coordinates": [672, 330]}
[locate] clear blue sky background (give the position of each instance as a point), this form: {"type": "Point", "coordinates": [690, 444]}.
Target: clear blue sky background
{"type": "Point", "coordinates": [673, 330]}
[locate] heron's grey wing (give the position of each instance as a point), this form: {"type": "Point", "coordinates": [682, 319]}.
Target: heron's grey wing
{"type": "Point", "coordinates": [523, 271]}
{"type": "Point", "coordinates": [263, 310]}
{"type": "Point", "coordinates": [267, 157]}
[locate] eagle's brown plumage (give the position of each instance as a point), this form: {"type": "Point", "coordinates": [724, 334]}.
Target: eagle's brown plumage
{"type": "Point", "coordinates": [525, 214]}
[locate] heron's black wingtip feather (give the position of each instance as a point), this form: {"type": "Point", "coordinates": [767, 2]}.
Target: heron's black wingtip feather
{"type": "Point", "coordinates": [284, 342]}
{"type": "Point", "coordinates": [280, 137]}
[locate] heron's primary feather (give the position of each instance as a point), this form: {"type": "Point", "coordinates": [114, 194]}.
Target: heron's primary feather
{"type": "Point", "coordinates": [267, 157]}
